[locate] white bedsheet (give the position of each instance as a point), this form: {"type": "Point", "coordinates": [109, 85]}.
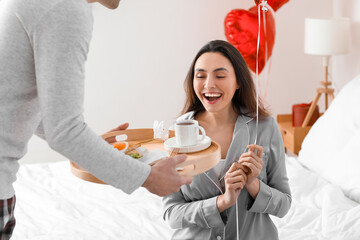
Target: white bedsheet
{"type": "Point", "coordinates": [319, 209]}
{"type": "Point", "coordinates": [52, 204]}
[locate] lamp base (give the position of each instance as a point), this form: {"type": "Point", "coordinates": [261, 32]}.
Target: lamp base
{"type": "Point", "coordinates": [328, 91]}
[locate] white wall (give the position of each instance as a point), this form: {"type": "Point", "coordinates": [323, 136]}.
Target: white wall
{"type": "Point", "coordinates": [140, 54]}
{"type": "Point", "coordinates": [295, 75]}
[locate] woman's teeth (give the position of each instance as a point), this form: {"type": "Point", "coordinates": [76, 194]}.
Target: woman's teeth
{"type": "Point", "coordinates": [212, 96]}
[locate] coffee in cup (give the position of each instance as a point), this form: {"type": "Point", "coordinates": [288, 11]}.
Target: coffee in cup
{"type": "Point", "coordinates": [187, 133]}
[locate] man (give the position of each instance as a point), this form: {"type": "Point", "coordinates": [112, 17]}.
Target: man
{"type": "Point", "coordinates": [43, 49]}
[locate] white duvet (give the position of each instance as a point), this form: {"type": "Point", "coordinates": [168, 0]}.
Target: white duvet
{"type": "Point", "coordinates": [52, 204]}
{"type": "Point", "coordinates": [319, 210]}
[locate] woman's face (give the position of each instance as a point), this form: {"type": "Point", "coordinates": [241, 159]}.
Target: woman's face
{"type": "Point", "coordinates": [214, 82]}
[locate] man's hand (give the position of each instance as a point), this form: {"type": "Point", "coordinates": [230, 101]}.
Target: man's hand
{"type": "Point", "coordinates": [123, 126]}
{"type": "Point", "coordinates": [164, 179]}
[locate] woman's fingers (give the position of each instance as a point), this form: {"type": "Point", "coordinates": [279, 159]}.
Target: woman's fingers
{"type": "Point", "coordinates": [235, 186]}
{"type": "Point", "coordinates": [259, 149]}
{"type": "Point", "coordinates": [237, 173]}
{"type": "Point", "coordinates": [252, 157]}
{"type": "Point", "coordinates": [240, 176]}
{"type": "Point", "coordinates": [252, 161]}
{"type": "Point", "coordinates": [231, 169]}
{"type": "Point", "coordinates": [235, 182]}
{"type": "Point", "coordinates": [249, 166]}
{"type": "Point", "coordinates": [251, 154]}
{"type": "Point", "coordinates": [243, 168]}
{"type": "Point", "coordinates": [234, 167]}
{"type": "Point", "coordinates": [254, 170]}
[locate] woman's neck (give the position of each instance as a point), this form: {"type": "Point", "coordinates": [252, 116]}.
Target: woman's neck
{"type": "Point", "coordinates": [227, 116]}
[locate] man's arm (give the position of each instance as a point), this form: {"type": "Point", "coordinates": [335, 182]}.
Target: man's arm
{"type": "Point", "coordinates": [60, 43]}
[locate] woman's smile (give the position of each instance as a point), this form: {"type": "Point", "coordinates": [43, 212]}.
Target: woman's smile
{"type": "Point", "coordinates": [212, 97]}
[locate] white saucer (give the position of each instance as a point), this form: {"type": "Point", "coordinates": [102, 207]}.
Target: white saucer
{"type": "Point", "coordinates": [171, 143]}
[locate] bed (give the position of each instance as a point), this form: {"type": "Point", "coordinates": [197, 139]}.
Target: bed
{"type": "Point", "coordinates": [53, 204]}
{"type": "Point", "coordinates": [319, 208]}
{"type": "Point", "coordinates": [325, 177]}
{"type": "Point", "coordinates": [325, 183]}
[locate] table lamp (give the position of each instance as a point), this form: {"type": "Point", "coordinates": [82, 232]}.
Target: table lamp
{"type": "Point", "coordinates": [325, 37]}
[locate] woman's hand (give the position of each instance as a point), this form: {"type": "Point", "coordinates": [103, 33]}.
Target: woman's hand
{"type": "Point", "coordinates": [235, 180]}
{"type": "Point", "coordinates": [253, 163]}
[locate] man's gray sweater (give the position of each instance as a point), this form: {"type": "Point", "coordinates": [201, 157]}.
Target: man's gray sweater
{"type": "Point", "coordinates": [43, 49]}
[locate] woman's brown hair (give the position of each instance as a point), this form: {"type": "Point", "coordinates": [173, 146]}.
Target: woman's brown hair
{"type": "Point", "coordinates": [244, 98]}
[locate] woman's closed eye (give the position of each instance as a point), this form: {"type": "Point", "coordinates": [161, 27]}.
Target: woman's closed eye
{"type": "Point", "coordinates": [204, 76]}
{"type": "Point", "coordinates": [200, 76]}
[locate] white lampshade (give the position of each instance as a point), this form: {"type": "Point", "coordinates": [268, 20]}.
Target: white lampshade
{"type": "Point", "coordinates": [327, 36]}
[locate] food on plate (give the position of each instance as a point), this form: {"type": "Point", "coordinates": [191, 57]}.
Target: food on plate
{"type": "Point", "coordinates": [136, 155]}
{"type": "Point", "coordinates": [120, 145]}
{"type": "Point", "coordinates": [130, 150]}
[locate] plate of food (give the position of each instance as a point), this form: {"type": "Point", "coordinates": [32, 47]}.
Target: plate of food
{"type": "Point", "coordinates": [139, 142]}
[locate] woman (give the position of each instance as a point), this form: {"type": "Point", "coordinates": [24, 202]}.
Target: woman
{"type": "Point", "coordinates": [234, 199]}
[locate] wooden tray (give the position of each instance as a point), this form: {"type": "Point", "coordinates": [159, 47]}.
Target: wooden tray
{"type": "Point", "coordinates": [196, 163]}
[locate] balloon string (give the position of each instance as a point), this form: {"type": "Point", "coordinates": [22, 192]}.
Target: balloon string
{"type": "Point", "coordinates": [264, 7]}
{"type": "Point", "coordinates": [257, 108]}
{"type": "Point", "coordinates": [268, 59]}
{"type": "Point", "coordinates": [257, 70]}
{"type": "Point", "coordinates": [266, 49]}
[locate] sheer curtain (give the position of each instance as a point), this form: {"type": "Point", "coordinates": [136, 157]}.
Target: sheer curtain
{"type": "Point", "coordinates": [346, 67]}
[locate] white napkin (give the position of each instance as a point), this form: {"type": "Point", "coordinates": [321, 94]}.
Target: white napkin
{"type": "Point", "coordinates": [151, 156]}
{"type": "Point", "coordinates": [160, 131]}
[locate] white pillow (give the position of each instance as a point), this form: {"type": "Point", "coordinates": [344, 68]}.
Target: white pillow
{"type": "Point", "coordinates": [349, 166]}
{"type": "Point", "coordinates": [331, 146]}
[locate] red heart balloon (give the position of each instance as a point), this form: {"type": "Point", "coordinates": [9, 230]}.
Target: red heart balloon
{"type": "Point", "coordinates": [241, 30]}
{"type": "Point", "coordinates": [275, 4]}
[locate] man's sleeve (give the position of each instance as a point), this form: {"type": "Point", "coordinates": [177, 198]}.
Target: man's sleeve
{"type": "Point", "coordinates": [61, 41]}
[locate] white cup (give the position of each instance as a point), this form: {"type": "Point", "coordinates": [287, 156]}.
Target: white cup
{"type": "Point", "coordinates": [187, 133]}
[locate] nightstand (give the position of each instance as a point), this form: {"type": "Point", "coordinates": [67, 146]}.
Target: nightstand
{"type": "Point", "coordinates": [292, 136]}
